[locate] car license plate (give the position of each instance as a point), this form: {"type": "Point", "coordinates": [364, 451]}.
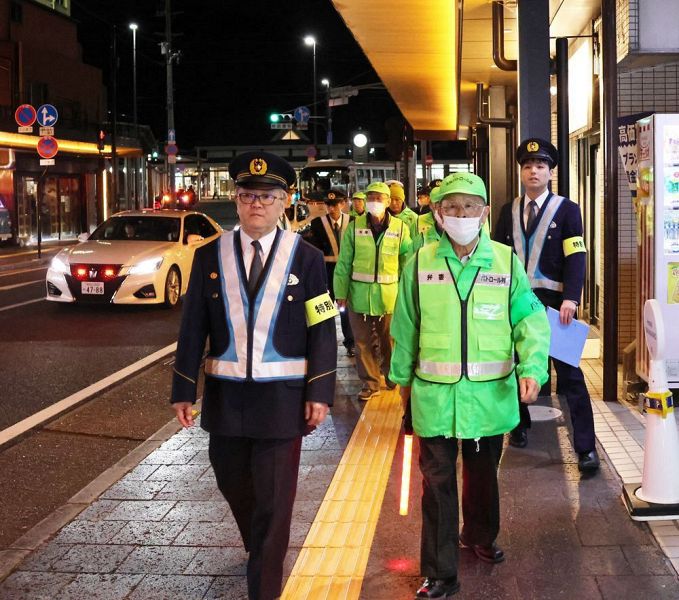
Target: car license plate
{"type": "Point", "coordinates": [92, 287]}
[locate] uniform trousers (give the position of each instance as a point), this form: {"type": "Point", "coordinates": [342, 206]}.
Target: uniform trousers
{"type": "Point", "coordinates": [373, 347]}
{"type": "Point", "coordinates": [571, 383]}
{"type": "Point", "coordinates": [258, 478]}
{"type": "Point", "coordinates": [439, 552]}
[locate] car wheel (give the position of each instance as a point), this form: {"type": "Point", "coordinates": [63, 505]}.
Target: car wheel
{"type": "Point", "coordinates": [173, 288]}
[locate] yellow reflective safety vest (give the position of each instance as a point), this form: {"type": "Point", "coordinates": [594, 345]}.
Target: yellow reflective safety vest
{"type": "Point", "coordinates": [376, 263]}
{"type": "Point", "coordinates": [251, 354]}
{"type": "Point", "coordinates": [464, 337]}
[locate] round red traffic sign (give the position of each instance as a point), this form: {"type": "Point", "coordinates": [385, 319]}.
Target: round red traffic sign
{"type": "Point", "coordinates": [48, 147]}
{"type": "Point", "coordinates": [25, 115]}
{"type": "Point", "coordinates": [429, 160]}
{"type": "Point", "coordinates": [171, 149]}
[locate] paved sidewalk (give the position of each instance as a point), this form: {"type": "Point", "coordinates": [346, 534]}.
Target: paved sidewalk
{"type": "Point", "coordinates": [15, 257]}
{"type": "Point", "coordinates": [157, 527]}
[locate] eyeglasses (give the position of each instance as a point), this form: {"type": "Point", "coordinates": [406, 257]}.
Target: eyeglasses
{"type": "Point", "coordinates": [264, 199]}
{"type": "Point", "coordinates": [468, 208]}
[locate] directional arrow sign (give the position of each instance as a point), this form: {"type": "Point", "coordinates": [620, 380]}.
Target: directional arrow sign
{"type": "Point", "coordinates": [47, 115]}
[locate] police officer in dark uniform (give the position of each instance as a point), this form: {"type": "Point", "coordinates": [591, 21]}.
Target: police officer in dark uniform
{"type": "Point", "coordinates": [326, 233]}
{"type": "Point", "coordinates": [260, 295]}
{"type": "Point", "coordinates": [545, 231]}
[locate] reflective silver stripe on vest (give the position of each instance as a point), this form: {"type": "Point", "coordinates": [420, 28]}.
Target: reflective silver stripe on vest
{"type": "Point", "coordinates": [444, 369]}
{"type": "Point", "coordinates": [331, 238]}
{"type": "Point", "coordinates": [435, 277]}
{"type": "Point", "coordinates": [364, 277]}
{"type": "Point", "coordinates": [387, 278]}
{"type": "Point", "coordinates": [538, 241]}
{"type": "Point", "coordinates": [265, 320]}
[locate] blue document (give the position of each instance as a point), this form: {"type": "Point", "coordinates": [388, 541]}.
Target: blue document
{"type": "Point", "coordinates": [567, 341]}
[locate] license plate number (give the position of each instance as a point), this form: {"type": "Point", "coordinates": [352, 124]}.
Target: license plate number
{"type": "Point", "coordinates": [89, 287]}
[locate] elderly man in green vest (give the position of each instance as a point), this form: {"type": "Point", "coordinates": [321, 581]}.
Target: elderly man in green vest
{"type": "Point", "coordinates": [374, 249]}
{"type": "Point", "coordinates": [465, 307]}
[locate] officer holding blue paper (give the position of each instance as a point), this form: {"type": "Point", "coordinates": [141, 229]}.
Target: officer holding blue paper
{"type": "Point", "coordinates": [545, 231]}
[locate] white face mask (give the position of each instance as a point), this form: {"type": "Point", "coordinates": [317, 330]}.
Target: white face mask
{"type": "Point", "coordinates": [462, 230]}
{"type": "Point", "coordinates": [375, 208]}
{"type": "Point", "coordinates": [437, 218]}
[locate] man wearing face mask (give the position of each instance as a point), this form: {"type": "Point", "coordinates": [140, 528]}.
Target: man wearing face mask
{"type": "Point", "coordinates": [428, 228]}
{"type": "Point", "coordinates": [373, 252]}
{"type": "Point", "coordinates": [545, 231]}
{"type": "Point", "coordinates": [397, 207]}
{"type": "Point", "coordinates": [357, 204]}
{"type": "Point", "coordinates": [464, 308]}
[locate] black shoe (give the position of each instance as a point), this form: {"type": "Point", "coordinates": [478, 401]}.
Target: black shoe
{"type": "Point", "coordinates": [438, 588]}
{"type": "Point", "coordinates": [350, 351]}
{"type": "Point", "coordinates": [588, 462]}
{"type": "Point", "coordinates": [491, 553]}
{"type": "Point", "coordinates": [518, 437]}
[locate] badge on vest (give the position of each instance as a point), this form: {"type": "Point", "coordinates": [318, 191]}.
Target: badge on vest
{"type": "Point", "coordinates": [319, 309]}
{"type": "Point", "coordinates": [494, 279]}
{"type": "Point", "coordinates": [292, 279]}
{"type": "Point", "coordinates": [488, 312]}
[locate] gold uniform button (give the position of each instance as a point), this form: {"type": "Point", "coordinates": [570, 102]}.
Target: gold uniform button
{"type": "Point", "coordinates": [213, 275]}
{"type": "Point", "coordinates": [215, 295]}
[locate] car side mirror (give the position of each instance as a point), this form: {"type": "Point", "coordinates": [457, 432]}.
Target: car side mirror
{"type": "Point", "coordinates": [194, 238]}
{"type": "Point", "coordinates": [83, 237]}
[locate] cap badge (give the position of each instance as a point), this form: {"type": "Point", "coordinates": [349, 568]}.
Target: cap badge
{"type": "Point", "coordinates": [533, 147]}
{"type": "Point", "coordinates": [331, 196]}
{"type": "Point", "coordinates": [258, 166]}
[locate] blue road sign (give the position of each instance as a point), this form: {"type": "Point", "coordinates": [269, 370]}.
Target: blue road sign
{"type": "Point", "coordinates": [171, 135]}
{"type": "Point", "coordinates": [47, 115]}
{"type": "Point", "coordinates": [302, 114]}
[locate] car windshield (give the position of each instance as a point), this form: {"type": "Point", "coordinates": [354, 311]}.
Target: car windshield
{"type": "Point", "coordinates": [145, 229]}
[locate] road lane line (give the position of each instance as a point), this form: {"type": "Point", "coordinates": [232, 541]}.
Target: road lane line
{"type": "Point", "coordinates": [62, 405]}
{"type": "Point", "coordinates": [21, 304]}
{"type": "Point", "coordinates": [10, 273]}
{"type": "Point", "coordinates": [13, 254]}
{"type": "Point", "coordinates": [18, 285]}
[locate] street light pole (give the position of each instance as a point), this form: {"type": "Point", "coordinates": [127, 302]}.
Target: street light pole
{"type": "Point", "coordinates": [310, 40]}
{"type": "Point", "coordinates": [133, 27]}
{"type": "Point", "coordinates": [328, 139]}
{"type": "Point", "coordinates": [170, 90]}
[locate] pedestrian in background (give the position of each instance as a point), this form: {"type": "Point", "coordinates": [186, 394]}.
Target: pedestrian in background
{"type": "Point", "coordinates": [545, 231]}
{"type": "Point", "coordinates": [373, 252]}
{"type": "Point", "coordinates": [397, 206]}
{"type": "Point", "coordinates": [357, 204]}
{"type": "Point", "coordinates": [260, 294]}
{"type": "Point", "coordinates": [464, 306]}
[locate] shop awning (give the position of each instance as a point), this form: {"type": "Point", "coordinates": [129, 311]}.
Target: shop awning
{"type": "Point", "coordinates": [20, 141]}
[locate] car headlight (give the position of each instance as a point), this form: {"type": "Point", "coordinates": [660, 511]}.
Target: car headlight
{"type": "Point", "coordinates": [59, 265]}
{"type": "Point", "coordinates": [146, 266]}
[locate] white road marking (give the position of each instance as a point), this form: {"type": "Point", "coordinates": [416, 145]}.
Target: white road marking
{"type": "Point", "coordinates": [10, 273]}
{"type": "Point", "coordinates": [17, 285]}
{"type": "Point", "coordinates": [62, 405]}
{"type": "Point", "coordinates": [21, 304]}
{"type": "Point", "coordinates": [44, 251]}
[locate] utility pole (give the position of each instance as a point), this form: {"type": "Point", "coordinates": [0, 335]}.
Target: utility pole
{"type": "Point", "coordinates": [114, 124]}
{"type": "Point", "coordinates": [166, 49]}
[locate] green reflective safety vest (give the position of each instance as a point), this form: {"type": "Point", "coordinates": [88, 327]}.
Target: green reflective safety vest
{"type": "Point", "coordinates": [407, 215]}
{"type": "Point", "coordinates": [464, 337]}
{"type": "Point", "coordinates": [376, 263]}
{"type": "Point", "coordinates": [424, 231]}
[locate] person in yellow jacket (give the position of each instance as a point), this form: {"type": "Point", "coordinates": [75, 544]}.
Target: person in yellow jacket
{"type": "Point", "coordinates": [373, 252]}
{"type": "Point", "coordinates": [464, 308]}
{"type": "Point", "coordinates": [398, 207]}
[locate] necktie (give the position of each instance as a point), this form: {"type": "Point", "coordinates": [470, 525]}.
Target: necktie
{"type": "Point", "coordinates": [532, 214]}
{"type": "Point", "coordinates": [256, 267]}
{"type": "Point", "coordinates": [336, 231]}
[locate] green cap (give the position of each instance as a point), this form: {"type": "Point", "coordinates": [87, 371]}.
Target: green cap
{"type": "Point", "coordinates": [378, 186]}
{"type": "Point", "coordinates": [359, 195]}
{"type": "Point", "coordinates": [462, 183]}
{"type": "Point", "coordinates": [435, 195]}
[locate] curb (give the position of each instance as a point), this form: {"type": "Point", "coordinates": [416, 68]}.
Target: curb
{"type": "Point", "coordinates": [50, 525]}
{"type": "Point", "coordinates": [36, 262]}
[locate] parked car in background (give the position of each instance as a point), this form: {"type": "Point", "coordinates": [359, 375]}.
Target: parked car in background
{"type": "Point", "coordinates": [134, 257]}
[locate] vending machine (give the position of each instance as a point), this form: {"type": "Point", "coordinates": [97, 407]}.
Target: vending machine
{"type": "Point", "coordinates": [658, 233]}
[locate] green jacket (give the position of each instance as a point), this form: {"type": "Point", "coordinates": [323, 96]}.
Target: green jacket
{"type": "Point", "coordinates": [408, 216]}
{"type": "Point", "coordinates": [467, 409]}
{"type": "Point", "coordinates": [369, 298]}
{"type": "Point", "coordinates": [424, 231]}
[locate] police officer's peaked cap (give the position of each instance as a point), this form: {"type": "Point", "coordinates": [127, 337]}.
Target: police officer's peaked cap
{"type": "Point", "coordinates": [539, 149]}
{"type": "Point", "coordinates": [332, 196]}
{"type": "Point", "coordinates": [462, 183]}
{"type": "Point", "coordinates": [434, 183]}
{"type": "Point", "coordinates": [379, 187]}
{"type": "Point", "coordinates": [251, 169]}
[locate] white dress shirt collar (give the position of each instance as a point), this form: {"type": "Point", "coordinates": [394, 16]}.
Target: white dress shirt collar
{"type": "Point", "coordinates": [265, 241]}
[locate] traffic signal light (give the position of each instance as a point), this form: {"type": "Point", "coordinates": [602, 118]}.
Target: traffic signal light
{"type": "Point", "coordinates": [101, 136]}
{"type": "Point", "coordinates": [281, 118]}
{"type": "Point", "coordinates": [274, 117]}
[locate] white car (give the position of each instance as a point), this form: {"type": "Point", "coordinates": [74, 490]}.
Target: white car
{"type": "Point", "coordinates": [134, 257]}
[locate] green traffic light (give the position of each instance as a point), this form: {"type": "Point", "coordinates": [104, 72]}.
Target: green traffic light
{"type": "Point", "coordinates": [274, 117]}
{"type": "Point", "coordinates": [155, 154]}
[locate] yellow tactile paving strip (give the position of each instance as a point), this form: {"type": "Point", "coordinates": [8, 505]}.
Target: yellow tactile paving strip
{"type": "Point", "coordinates": [333, 560]}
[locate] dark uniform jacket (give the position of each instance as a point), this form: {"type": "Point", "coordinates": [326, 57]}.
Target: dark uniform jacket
{"type": "Point", "coordinates": [319, 238]}
{"type": "Point", "coordinates": [247, 408]}
{"type": "Point", "coordinates": [570, 270]}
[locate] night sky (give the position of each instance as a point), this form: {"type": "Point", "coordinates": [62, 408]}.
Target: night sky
{"type": "Point", "coordinates": [240, 61]}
